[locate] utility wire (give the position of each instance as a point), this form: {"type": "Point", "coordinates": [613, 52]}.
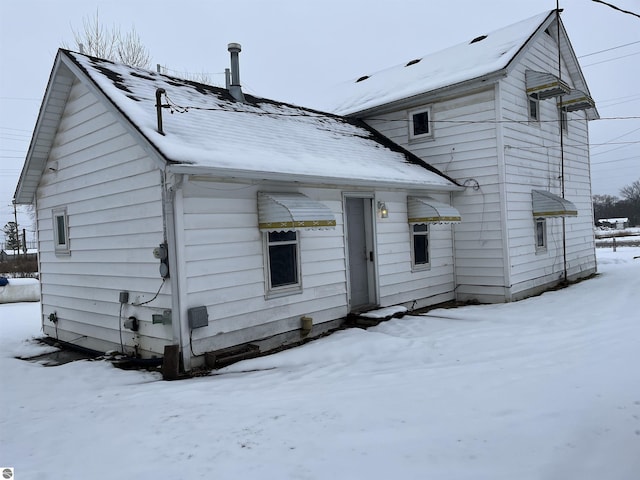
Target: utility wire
{"type": "Point", "coordinates": [610, 60]}
{"type": "Point", "coordinates": [608, 49]}
{"type": "Point", "coordinates": [617, 8]}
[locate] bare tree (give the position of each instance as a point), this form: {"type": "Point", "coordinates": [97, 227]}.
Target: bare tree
{"type": "Point", "coordinates": [631, 192]}
{"type": "Point", "coordinates": [110, 43]}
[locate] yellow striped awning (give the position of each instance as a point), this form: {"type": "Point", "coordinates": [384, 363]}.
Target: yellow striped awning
{"type": "Point", "coordinates": [577, 100]}
{"type": "Point", "coordinates": [543, 85]}
{"type": "Point", "coordinates": [292, 211]}
{"type": "Point", "coordinates": [427, 210]}
{"type": "Point", "coordinates": [546, 204]}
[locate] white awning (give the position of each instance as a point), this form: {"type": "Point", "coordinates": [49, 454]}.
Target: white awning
{"type": "Point", "coordinates": [546, 204]}
{"type": "Point", "coordinates": [577, 100]}
{"type": "Point", "coordinates": [428, 210]}
{"type": "Point", "coordinates": [543, 85]}
{"type": "Point", "coordinates": [292, 211]}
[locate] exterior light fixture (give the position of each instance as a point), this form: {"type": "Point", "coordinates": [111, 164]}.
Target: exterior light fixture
{"type": "Point", "coordinates": [382, 209]}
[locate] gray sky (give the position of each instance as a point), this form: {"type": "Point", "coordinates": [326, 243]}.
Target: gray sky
{"type": "Point", "coordinates": [294, 50]}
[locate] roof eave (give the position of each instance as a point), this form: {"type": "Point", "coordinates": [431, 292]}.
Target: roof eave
{"type": "Point", "coordinates": [236, 175]}
{"type": "Point", "coordinates": [49, 115]}
{"type": "Point", "coordinates": [432, 95]}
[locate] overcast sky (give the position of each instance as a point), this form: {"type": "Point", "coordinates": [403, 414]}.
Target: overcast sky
{"type": "Point", "coordinates": [294, 50]}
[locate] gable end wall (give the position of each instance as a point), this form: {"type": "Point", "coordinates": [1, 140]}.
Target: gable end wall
{"type": "Point", "coordinates": [111, 190]}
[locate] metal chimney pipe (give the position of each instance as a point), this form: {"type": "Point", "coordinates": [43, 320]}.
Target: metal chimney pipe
{"type": "Point", "coordinates": [227, 78]}
{"type": "Point", "coordinates": [235, 89]}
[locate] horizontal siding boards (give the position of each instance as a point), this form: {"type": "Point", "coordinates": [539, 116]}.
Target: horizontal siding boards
{"type": "Point", "coordinates": [225, 265]}
{"type": "Point", "coordinates": [397, 282]}
{"type": "Point", "coordinates": [463, 146]}
{"type": "Point", "coordinates": [533, 160]}
{"type": "Point", "coordinates": [112, 194]}
{"type": "Point", "coordinates": [103, 339]}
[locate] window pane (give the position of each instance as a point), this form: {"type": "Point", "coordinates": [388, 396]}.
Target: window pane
{"type": "Point", "coordinates": [420, 228]}
{"type": "Point", "coordinates": [540, 234]}
{"type": "Point", "coordinates": [421, 249]}
{"type": "Point", "coordinates": [62, 234]}
{"type": "Point", "coordinates": [282, 264]}
{"type": "Point", "coordinates": [533, 108]}
{"type": "Point", "coordinates": [421, 123]}
{"type": "Point", "coordinates": [282, 236]}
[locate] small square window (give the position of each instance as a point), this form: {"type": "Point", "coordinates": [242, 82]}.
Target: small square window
{"type": "Point", "coordinates": [541, 234]}
{"type": "Point", "coordinates": [534, 109]}
{"type": "Point", "coordinates": [420, 124]}
{"type": "Point", "coordinates": [60, 231]}
{"type": "Point", "coordinates": [283, 265]}
{"type": "Point", "coordinates": [420, 246]}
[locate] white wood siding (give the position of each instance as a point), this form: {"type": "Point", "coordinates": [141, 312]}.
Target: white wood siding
{"type": "Point", "coordinates": [224, 267]}
{"type": "Point", "coordinates": [533, 161]}
{"type": "Point", "coordinates": [398, 284]}
{"type": "Point", "coordinates": [112, 194]}
{"type": "Point", "coordinates": [464, 146]}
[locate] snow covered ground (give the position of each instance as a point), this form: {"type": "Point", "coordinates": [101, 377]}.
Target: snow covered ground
{"type": "Point", "coordinates": [545, 388]}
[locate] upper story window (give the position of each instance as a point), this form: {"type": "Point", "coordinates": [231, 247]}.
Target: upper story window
{"type": "Point", "coordinates": [534, 109]}
{"type": "Point", "coordinates": [420, 124]}
{"type": "Point", "coordinates": [541, 234]}
{"type": "Point", "coordinates": [564, 122]}
{"type": "Point", "coordinates": [60, 231]}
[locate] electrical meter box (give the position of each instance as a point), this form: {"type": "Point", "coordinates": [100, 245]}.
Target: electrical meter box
{"type": "Point", "coordinates": [198, 317]}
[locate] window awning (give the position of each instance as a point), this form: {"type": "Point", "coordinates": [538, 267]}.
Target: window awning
{"type": "Point", "coordinates": [428, 210]}
{"type": "Point", "coordinates": [546, 204]}
{"type": "Point", "coordinates": [543, 85]}
{"type": "Point", "coordinates": [292, 211]}
{"type": "Point", "coordinates": [577, 100]}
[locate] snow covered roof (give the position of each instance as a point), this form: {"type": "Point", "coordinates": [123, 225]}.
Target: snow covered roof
{"type": "Point", "coordinates": [207, 131]}
{"type": "Point", "coordinates": [472, 59]}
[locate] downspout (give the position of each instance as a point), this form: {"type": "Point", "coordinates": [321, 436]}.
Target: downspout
{"type": "Point", "coordinates": [502, 182]}
{"type": "Point", "coordinates": [169, 195]}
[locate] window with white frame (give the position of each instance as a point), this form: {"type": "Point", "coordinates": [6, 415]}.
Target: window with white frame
{"type": "Point", "coordinates": [282, 262]}
{"type": "Point", "coordinates": [420, 246]}
{"type": "Point", "coordinates": [534, 109]}
{"type": "Point", "coordinates": [60, 231]}
{"type": "Point", "coordinates": [564, 123]}
{"type": "Point", "coordinates": [541, 234]}
{"type": "Point", "coordinates": [420, 124]}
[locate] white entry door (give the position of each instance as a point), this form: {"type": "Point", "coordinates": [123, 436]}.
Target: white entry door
{"type": "Point", "coordinates": [360, 252]}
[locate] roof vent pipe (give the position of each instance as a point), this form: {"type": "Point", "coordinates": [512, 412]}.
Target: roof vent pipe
{"type": "Point", "coordinates": [234, 89]}
{"type": "Point", "coordinates": [227, 78]}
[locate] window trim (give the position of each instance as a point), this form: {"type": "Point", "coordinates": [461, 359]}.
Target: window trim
{"type": "Point", "coordinates": [427, 233]}
{"type": "Point", "coordinates": [540, 247]}
{"type": "Point", "coordinates": [420, 136]}
{"type": "Point", "coordinates": [289, 289]}
{"type": "Point", "coordinates": [60, 248]}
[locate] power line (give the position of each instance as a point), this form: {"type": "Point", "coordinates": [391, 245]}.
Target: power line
{"type": "Point", "coordinates": [617, 138]}
{"type": "Point", "coordinates": [617, 8]}
{"type": "Point", "coordinates": [608, 49]}
{"type": "Point", "coordinates": [610, 60]}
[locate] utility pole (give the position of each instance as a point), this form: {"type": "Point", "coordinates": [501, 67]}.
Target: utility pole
{"type": "Point", "coordinates": [15, 218]}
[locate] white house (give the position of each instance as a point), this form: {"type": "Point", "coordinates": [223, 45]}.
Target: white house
{"type": "Point", "coordinates": [175, 213]}
{"type": "Point", "coordinates": [505, 114]}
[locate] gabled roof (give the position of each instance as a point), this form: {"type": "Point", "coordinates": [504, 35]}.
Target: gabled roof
{"type": "Point", "coordinates": [478, 58]}
{"type": "Point", "coordinates": [207, 132]}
